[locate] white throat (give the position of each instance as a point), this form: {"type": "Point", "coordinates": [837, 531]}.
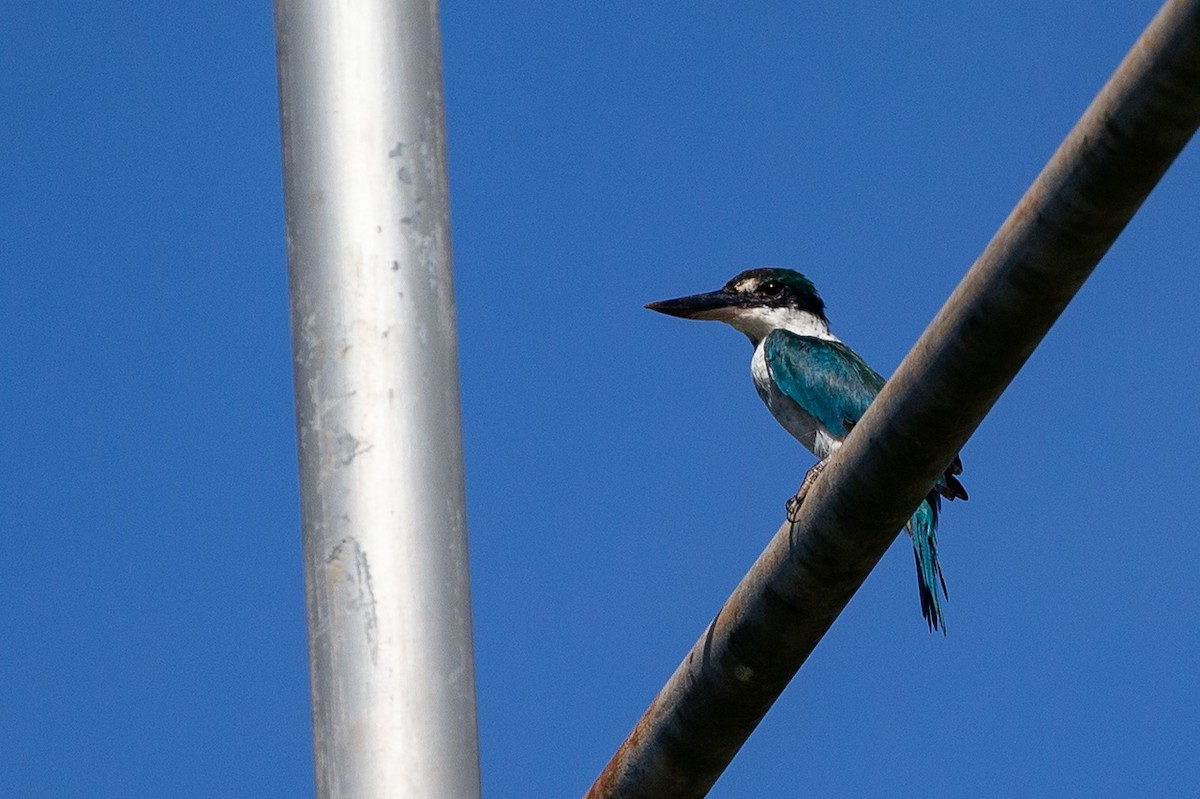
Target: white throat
{"type": "Point", "coordinates": [756, 323]}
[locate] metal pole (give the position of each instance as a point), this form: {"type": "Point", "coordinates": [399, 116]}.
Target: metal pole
{"type": "Point", "coordinates": [971, 351]}
{"type": "Point", "coordinates": [377, 400]}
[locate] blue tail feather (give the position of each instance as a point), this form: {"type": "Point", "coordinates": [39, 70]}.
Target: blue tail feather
{"type": "Point", "coordinates": [923, 529]}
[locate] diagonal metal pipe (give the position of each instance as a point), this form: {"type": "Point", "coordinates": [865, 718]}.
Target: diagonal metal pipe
{"type": "Point", "coordinates": [968, 355]}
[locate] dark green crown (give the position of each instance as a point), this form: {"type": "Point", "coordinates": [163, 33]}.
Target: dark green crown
{"type": "Point", "coordinates": [774, 287]}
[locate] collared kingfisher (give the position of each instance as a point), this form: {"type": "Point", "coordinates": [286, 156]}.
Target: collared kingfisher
{"type": "Point", "coordinates": [817, 388]}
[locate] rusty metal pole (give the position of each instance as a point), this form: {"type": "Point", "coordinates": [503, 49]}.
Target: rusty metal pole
{"type": "Point", "coordinates": [377, 402]}
{"type": "Point", "coordinates": [974, 347]}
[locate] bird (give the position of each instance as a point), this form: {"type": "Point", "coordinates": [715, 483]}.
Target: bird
{"type": "Point", "coordinates": [817, 388]}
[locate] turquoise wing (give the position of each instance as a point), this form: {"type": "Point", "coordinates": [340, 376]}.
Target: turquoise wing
{"type": "Point", "coordinates": [826, 379]}
{"type": "Point", "coordinates": [829, 382]}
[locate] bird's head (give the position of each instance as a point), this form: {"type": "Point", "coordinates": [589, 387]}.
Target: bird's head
{"type": "Point", "coordinates": [756, 302]}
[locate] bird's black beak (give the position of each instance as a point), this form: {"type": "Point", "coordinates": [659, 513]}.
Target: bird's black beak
{"type": "Point", "coordinates": [709, 305]}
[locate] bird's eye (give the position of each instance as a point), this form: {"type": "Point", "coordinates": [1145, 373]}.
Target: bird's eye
{"type": "Point", "coordinates": [772, 288]}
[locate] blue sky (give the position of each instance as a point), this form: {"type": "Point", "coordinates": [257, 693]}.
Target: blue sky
{"type": "Point", "coordinates": [621, 472]}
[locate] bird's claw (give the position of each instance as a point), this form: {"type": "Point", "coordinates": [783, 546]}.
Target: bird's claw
{"type": "Point", "coordinates": [793, 504]}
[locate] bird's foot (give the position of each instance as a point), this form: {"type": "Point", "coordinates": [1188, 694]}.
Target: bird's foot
{"type": "Point", "coordinates": [793, 504]}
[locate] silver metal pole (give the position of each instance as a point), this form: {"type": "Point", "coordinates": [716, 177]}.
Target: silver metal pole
{"type": "Point", "coordinates": [376, 370]}
{"type": "Point", "coordinates": [971, 351]}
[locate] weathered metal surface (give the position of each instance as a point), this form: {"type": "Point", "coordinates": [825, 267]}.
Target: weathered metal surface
{"type": "Point", "coordinates": [377, 401]}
